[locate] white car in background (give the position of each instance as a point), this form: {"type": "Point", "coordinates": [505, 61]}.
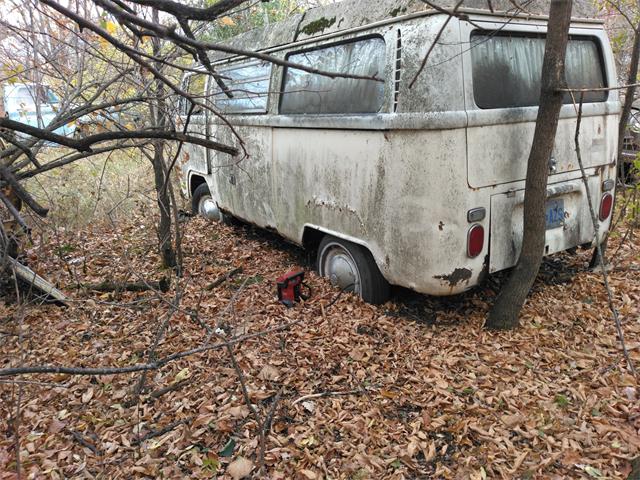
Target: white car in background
{"type": "Point", "coordinates": [20, 101]}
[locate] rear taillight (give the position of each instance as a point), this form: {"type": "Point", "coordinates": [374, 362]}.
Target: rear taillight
{"type": "Point", "coordinates": [606, 204]}
{"type": "Point", "coordinates": [475, 240]}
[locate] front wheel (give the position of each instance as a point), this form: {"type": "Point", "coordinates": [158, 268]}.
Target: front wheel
{"type": "Point", "coordinates": [203, 204]}
{"type": "Point", "coordinates": [352, 268]}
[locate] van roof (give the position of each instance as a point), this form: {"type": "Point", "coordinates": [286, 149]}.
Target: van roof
{"type": "Point", "coordinates": [352, 14]}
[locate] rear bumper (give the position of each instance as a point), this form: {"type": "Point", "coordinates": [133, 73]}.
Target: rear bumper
{"type": "Point", "coordinates": [576, 229]}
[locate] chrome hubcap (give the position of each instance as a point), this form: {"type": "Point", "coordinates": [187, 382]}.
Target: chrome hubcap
{"type": "Point", "coordinates": [208, 208]}
{"type": "Point", "coordinates": [340, 268]}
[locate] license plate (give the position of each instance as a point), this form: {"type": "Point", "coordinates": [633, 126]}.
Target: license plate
{"type": "Point", "coordinates": [555, 213]}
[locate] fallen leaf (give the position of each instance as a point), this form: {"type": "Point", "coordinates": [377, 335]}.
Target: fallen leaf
{"type": "Point", "coordinates": [182, 375]}
{"type": "Point", "coordinates": [87, 396]}
{"type": "Point", "coordinates": [241, 411]}
{"type": "Point", "coordinates": [56, 426]}
{"type": "Point", "coordinates": [269, 373]}
{"type": "Point", "coordinates": [512, 420]}
{"type": "Point", "coordinates": [309, 406]}
{"type": "Point", "coordinates": [240, 468]}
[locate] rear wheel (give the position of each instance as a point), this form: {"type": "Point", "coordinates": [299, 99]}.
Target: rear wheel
{"type": "Point", "coordinates": [352, 268]}
{"type": "Point", "coordinates": [203, 204]}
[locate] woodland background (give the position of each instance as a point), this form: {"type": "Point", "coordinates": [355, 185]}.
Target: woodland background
{"type": "Point", "coordinates": [242, 386]}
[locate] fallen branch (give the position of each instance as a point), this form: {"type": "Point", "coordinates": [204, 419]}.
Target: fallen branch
{"type": "Point", "coordinates": [266, 428]}
{"type": "Point", "coordinates": [206, 347]}
{"type": "Point", "coordinates": [171, 388]}
{"type": "Point", "coordinates": [223, 278]}
{"type": "Point", "coordinates": [162, 431]}
{"type": "Point", "coordinates": [30, 277]}
{"type": "Point", "coordinates": [161, 285]}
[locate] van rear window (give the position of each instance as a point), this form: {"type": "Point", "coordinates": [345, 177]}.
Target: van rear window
{"type": "Point", "coordinates": [507, 68]}
{"type": "Point", "coordinates": [305, 92]}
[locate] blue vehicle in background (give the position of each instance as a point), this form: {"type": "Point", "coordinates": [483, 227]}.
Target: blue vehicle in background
{"type": "Point", "coordinates": [22, 101]}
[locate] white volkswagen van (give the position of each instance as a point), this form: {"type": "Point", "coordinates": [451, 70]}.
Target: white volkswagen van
{"type": "Point", "coordinates": [392, 183]}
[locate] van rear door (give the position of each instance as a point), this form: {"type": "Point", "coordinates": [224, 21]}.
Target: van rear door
{"type": "Point", "coordinates": [503, 69]}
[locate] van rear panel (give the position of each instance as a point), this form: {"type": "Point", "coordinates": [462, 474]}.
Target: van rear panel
{"type": "Point", "coordinates": [568, 218]}
{"type": "Point", "coordinates": [498, 154]}
{"type": "Point", "coordinates": [501, 98]}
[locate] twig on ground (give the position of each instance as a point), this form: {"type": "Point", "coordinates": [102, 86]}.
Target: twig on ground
{"type": "Point", "coordinates": [266, 428]}
{"type": "Point", "coordinates": [162, 431]}
{"type": "Point", "coordinates": [223, 278]}
{"type": "Point", "coordinates": [162, 285]}
{"type": "Point", "coordinates": [230, 306]}
{"type": "Point", "coordinates": [32, 382]}
{"type": "Point", "coordinates": [171, 388]}
{"type": "Point", "coordinates": [77, 436]}
{"type": "Point", "coordinates": [205, 347]}
{"type": "Point", "coordinates": [152, 351]}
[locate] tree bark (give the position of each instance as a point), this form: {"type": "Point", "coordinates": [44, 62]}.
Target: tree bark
{"type": "Point", "coordinates": [506, 310]}
{"type": "Point", "coordinates": [165, 244]}
{"type": "Point", "coordinates": [159, 115]}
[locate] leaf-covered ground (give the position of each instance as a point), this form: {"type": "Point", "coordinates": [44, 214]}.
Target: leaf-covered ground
{"type": "Point", "coordinates": [415, 388]}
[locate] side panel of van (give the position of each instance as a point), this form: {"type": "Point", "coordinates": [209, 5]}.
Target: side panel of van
{"type": "Point", "coordinates": [243, 184]}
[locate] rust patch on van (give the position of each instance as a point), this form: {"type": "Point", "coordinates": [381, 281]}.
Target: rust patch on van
{"type": "Point", "coordinates": [459, 275]}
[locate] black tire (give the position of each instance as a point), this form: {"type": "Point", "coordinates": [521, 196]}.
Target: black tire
{"type": "Point", "coordinates": [373, 288]}
{"type": "Point", "coordinates": [201, 191]}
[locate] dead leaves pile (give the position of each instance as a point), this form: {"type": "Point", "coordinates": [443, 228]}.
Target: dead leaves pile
{"type": "Point", "coordinates": [367, 392]}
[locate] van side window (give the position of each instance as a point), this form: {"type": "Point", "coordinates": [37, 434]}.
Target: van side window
{"type": "Point", "coordinates": [306, 92]}
{"type": "Point", "coordinates": [507, 69]}
{"type": "Point", "coordinates": [195, 85]}
{"type": "Point", "coordinates": [249, 85]}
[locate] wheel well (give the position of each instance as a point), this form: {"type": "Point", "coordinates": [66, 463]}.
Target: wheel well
{"type": "Point", "coordinates": [311, 238]}
{"type": "Point", "coordinates": [195, 182]}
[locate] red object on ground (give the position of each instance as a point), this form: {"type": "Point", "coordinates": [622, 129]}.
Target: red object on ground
{"type": "Point", "coordinates": [290, 287]}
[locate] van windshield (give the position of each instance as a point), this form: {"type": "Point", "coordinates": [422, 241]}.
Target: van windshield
{"type": "Point", "coordinates": [507, 68]}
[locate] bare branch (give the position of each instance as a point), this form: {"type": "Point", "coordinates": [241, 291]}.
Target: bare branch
{"type": "Point", "coordinates": [191, 13]}
{"type": "Point", "coordinates": [85, 144]}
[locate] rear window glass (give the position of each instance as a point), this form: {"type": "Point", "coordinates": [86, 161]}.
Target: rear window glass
{"type": "Point", "coordinates": [507, 69]}
{"type": "Point", "coordinates": [310, 93]}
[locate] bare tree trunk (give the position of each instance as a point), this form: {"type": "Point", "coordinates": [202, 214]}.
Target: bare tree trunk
{"type": "Point", "coordinates": [165, 244]}
{"type": "Point", "coordinates": [159, 115]}
{"type": "Point", "coordinates": [622, 126]}
{"type": "Point", "coordinates": [505, 312]}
